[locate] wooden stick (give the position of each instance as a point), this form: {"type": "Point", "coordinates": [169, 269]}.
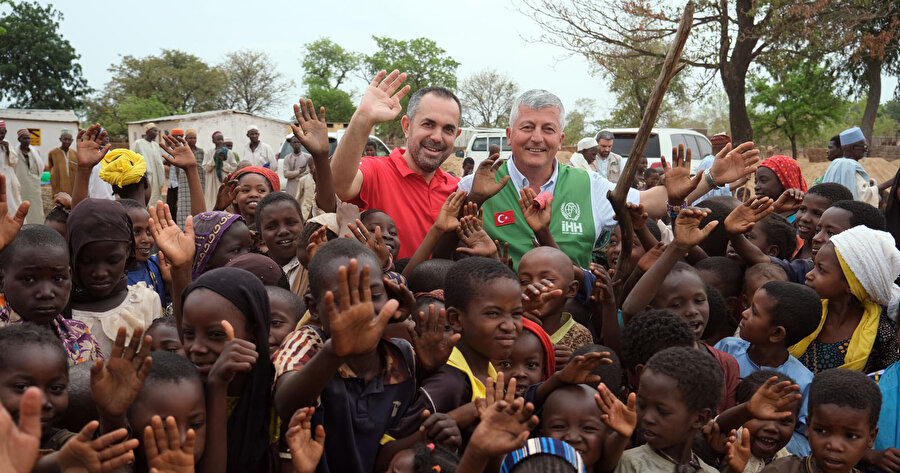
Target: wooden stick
{"type": "Point", "coordinates": [617, 196]}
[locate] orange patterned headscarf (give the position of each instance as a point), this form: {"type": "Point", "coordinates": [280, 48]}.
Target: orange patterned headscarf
{"type": "Point", "coordinates": [787, 170]}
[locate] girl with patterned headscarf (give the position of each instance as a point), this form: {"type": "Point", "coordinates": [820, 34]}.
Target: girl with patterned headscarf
{"type": "Point", "coordinates": [219, 237]}
{"type": "Point", "coordinates": [253, 183]}
{"type": "Point", "coordinates": [776, 175]}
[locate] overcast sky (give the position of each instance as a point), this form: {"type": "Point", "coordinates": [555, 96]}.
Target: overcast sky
{"type": "Point", "coordinates": [477, 33]}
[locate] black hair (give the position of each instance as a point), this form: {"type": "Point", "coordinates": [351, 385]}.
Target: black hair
{"type": "Point", "coordinates": [718, 313]}
{"type": "Point", "coordinates": [752, 382]}
{"type": "Point", "coordinates": [468, 277]}
{"type": "Point", "coordinates": [169, 367]}
{"type": "Point", "coordinates": [429, 275]}
{"type": "Point", "coordinates": [611, 374]}
{"type": "Point", "coordinates": [832, 191]}
{"type": "Point", "coordinates": [797, 308]}
{"type": "Point", "coordinates": [296, 304]}
{"type": "Point", "coordinates": [696, 373]}
{"type": "Point", "coordinates": [543, 463]}
{"type": "Point", "coordinates": [372, 143]}
{"type": "Point", "coordinates": [130, 204]}
{"type": "Point", "coordinates": [168, 320]}
{"type": "Point", "coordinates": [654, 230]}
{"type": "Point", "coordinates": [862, 213]}
{"type": "Point", "coordinates": [130, 190]}
{"type": "Point", "coordinates": [427, 457]}
{"type": "Point", "coordinates": [325, 259]}
{"type": "Point", "coordinates": [726, 270]}
{"type": "Point", "coordinates": [366, 213]}
{"type": "Point", "coordinates": [272, 198]}
{"type": "Point", "coordinates": [837, 140]}
{"type": "Point", "coordinates": [82, 408]}
{"type": "Point", "coordinates": [781, 233]}
{"type": "Point", "coordinates": [846, 388]}
{"type": "Point", "coordinates": [681, 266]}
{"type": "Point", "coordinates": [770, 271]}
{"type": "Point", "coordinates": [15, 337]}
{"type": "Point", "coordinates": [416, 97]}
{"type": "Point", "coordinates": [30, 236]}
{"type": "Point", "coordinates": [651, 331]}
{"type": "Point", "coordinates": [400, 264]}
{"type": "Point", "coordinates": [308, 229]}
{"type": "Point", "coordinates": [719, 208]}
{"type": "Point", "coordinates": [57, 214]}
{"type": "Point", "coordinates": [468, 160]}
{"type": "Point", "coordinates": [649, 172]}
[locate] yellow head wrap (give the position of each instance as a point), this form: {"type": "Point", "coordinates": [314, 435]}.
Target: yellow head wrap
{"type": "Point", "coordinates": [121, 167]}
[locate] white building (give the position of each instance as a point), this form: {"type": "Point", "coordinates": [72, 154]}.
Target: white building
{"type": "Point", "coordinates": [44, 125]}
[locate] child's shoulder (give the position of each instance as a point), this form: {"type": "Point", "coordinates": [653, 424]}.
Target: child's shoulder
{"type": "Point", "coordinates": [732, 345]}
{"type": "Point", "coordinates": [791, 464]}
{"type": "Point", "coordinates": [574, 335]}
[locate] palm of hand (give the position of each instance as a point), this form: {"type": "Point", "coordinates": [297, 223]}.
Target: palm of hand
{"type": "Point", "coordinates": [380, 249]}
{"type": "Point", "coordinates": [314, 137]}
{"type": "Point", "coordinates": [353, 330]}
{"type": "Point", "coordinates": [78, 456]}
{"type": "Point", "coordinates": [650, 257]}
{"type": "Point", "coordinates": [116, 387]}
{"type": "Point", "coordinates": [433, 348]}
{"type": "Point", "coordinates": [740, 220]}
{"type": "Point", "coordinates": [678, 184]}
{"type": "Point", "coordinates": [379, 104]}
{"type": "Point", "coordinates": [537, 219]}
{"type": "Point", "coordinates": [498, 432]}
{"type": "Point", "coordinates": [484, 183]}
{"type": "Point", "coordinates": [173, 461]}
{"type": "Point", "coordinates": [480, 243]}
{"type": "Point", "coordinates": [12, 450]}
{"type": "Point", "coordinates": [622, 419]}
{"type": "Point", "coordinates": [178, 246]}
{"type": "Point", "coordinates": [183, 157]}
{"type": "Point", "coordinates": [738, 454]}
{"type": "Point", "coordinates": [9, 228]}
{"type": "Point", "coordinates": [729, 168]}
{"type": "Point", "coordinates": [308, 450]}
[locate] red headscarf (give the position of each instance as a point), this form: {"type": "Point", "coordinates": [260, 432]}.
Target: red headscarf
{"type": "Point", "coordinates": [787, 170]}
{"type": "Point", "coordinates": [267, 173]}
{"type": "Point", "coordinates": [549, 356]}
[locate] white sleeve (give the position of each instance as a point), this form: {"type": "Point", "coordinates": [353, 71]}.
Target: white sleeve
{"type": "Point", "coordinates": [465, 184]}
{"type": "Point", "coordinates": [603, 211]}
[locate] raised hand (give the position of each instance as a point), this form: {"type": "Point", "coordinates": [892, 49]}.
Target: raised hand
{"type": "Point", "coordinates": [374, 242]}
{"type": "Point", "coordinates": [478, 242]}
{"type": "Point", "coordinates": [651, 256]}
{"type": "Point", "coordinates": [789, 201]}
{"type": "Point", "coordinates": [484, 182]}
{"type": "Point", "coordinates": [177, 152]}
{"type": "Point", "coordinates": [578, 370]}
{"type": "Point", "coordinates": [81, 454]}
{"type": "Point", "coordinates": [10, 224]}
{"type": "Point", "coordinates": [432, 339]}
{"type": "Point", "coordinates": [178, 245]}
{"type": "Point", "coordinates": [537, 219]}
{"type": "Point", "coordinates": [537, 295]}
{"type": "Point", "coordinates": [117, 380]}
{"type": "Point", "coordinates": [731, 165]}
{"type": "Point", "coordinates": [887, 459]}
{"type": "Point", "coordinates": [62, 199]}
{"type": "Point", "coordinates": [448, 218]}
{"type": "Point", "coordinates": [306, 450]}
{"type": "Point", "coordinates": [226, 194]}
{"type": "Point", "coordinates": [318, 238]}
{"type": "Point", "coordinates": [89, 147]}
{"type": "Point", "coordinates": [237, 356]}
{"type": "Point", "coordinates": [638, 215]}
{"type": "Point", "coordinates": [381, 101]}
{"type": "Point", "coordinates": [19, 444]}
{"type": "Point", "coordinates": [602, 292]}
{"type": "Point", "coordinates": [313, 131]}
{"type": "Point", "coordinates": [773, 399]}
{"type": "Point", "coordinates": [679, 183]}
{"type": "Point", "coordinates": [742, 219]}
{"type": "Point", "coordinates": [687, 228]}
{"type": "Point", "coordinates": [619, 417]}
{"type": "Point", "coordinates": [441, 428]}
{"type": "Point", "coordinates": [505, 421]}
{"type": "Point", "coordinates": [715, 438]}
{"type": "Point", "coordinates": [355, 329]}
{"type": "Point", "coordinates": [503, 256]}
{"type": "Point", "coordinates": [563, 353]}
{"type": "Point", "coordinates": [404, 297]}
{"type": "Point", "coordinates": [165, 452]}
{"type": "Point", "coordinates": [738, 454]}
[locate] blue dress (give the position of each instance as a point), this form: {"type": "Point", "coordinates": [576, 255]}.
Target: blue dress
{"type": "Point", "coordinates": [149, 273]}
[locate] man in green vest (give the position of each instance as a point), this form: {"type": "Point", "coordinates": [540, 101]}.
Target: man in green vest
{"type": "Point", "coordinates": [580, 210]}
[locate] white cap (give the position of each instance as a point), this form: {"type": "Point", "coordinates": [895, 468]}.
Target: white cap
{"type": "Point", "coordinates": [586, 143]}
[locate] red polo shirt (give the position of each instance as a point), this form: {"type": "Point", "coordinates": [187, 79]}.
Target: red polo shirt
{"type": "Point", "coordinates": [390, 186]}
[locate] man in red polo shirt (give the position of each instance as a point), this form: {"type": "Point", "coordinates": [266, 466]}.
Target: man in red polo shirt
{"type": "Point", "coordinates": [408, 185]}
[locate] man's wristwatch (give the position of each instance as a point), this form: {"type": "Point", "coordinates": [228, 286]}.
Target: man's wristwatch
{"type": "Point", "coordinates": [711, 180]}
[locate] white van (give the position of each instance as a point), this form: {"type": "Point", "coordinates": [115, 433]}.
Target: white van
{"type": "Point", "coordinates": [661, 142]}
{"type": "Point", "coordinates": [477, 149]}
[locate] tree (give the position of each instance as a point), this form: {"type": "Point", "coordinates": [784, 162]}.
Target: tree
{"type": "Point", "coordinates": [577, 123]}
{"type": "Point", "coordinates": [421, 59]}
{"type": "Point", "coordinates": [327, 64]}
{"type": "Point", "coordinates": [38, 67]}
{"type": "Point", "coordinates": [796, 102]}
{"type": "Point", "coordinates": [252, 82]}
{"type": "Point", "coordinates": [487, 97]}
{"type": "Point", "coordinates": [115, 114]}
{"type": "Point", "coordinates": [337, 103]}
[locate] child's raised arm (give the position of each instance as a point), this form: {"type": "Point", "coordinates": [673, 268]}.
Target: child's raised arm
{"type": "Point", "coordinates": [89, 151]}
{"type": "Point", "coordinates": [19, 444]}
{"type": "Point", "coordinates": [447, 221]}
{"type": "Point", "coordinates": [740, 221]}
{"type": "Point", "coordinates": [537, 218]}
{"type": "Point", "coordinates": [306, 450]}
{"type": "Point", "coordinates": [179, 248]}
{"type": "Point", "coordinates": [177, 153]}
{"type": "Point", "coordinates": [84, 453]}
{"type": "Point", "coordinates": [10, 224]}
{"type": "Point", "coordinates": [604, 310]}
{"type": "Point", "coordinates": [770, 402]}
{"type": "Point", "coordinates": [471, 233]}
{"type": "Point", "coordinates": [165, 452]}
{"type": "Point", "coordinates": [577, 371]}
{"type": "Point", "coordinates": [622, 419]}
{"type": "Point", "coordinates": [117, 380]}
{"type": "Point", "coordinates": [313, 135]}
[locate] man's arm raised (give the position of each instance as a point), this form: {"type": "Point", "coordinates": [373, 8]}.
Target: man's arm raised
{"type": "Point", "coordinates": [379, 104]}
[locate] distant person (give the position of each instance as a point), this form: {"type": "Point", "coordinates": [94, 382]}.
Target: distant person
{"type": "Point", "coordinates": [150, 150]}
{"type": "Point", "coordinates": [8, 160]}
{"type": "Point", "coordinates": [98, 188]}
{"type": "Point", "coordinates": [834, 148]}
{"type": "Point", "coordinates": [257, 152]}
{"type": "Point", "coordinates": [218, 163]}
{"type": "Point", "coordinates": [29, 168]}
{"type": "Point", "coordinates": [609, 163]}
{"type": "Point", "coordinates": [585, 156]}
{"type": "Point", "coordinates": [493, 149]}
{"type": "Point", "coordinates": [296, 165]}
{"type": "Point", "coordinates": [184, 193]}
{"type": "Point", "coordinates": [468, 166]}
{"type": "Point", "coordinates": [639, 175]}
{"type": "Point", "coordinates": [847, 171]}
{"type": "Point", "coordinates": [371, 148]}
{"type": "Point", "coordinates": [172, 180]}
{"type": "Point", "coordinates": [62, 161]}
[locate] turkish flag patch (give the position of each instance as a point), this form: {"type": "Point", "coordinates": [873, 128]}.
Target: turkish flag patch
{"type": "Point", "coordinates": [504, 218]}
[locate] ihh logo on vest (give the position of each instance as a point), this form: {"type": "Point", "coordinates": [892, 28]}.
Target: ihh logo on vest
{"type": "Point", "coordinates": [571, 212]}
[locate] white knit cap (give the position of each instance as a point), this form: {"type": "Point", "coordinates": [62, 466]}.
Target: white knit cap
{"type": "Point", "coordinates": [586, 143]}
{"type": "Point", "coordinates": [874, 260]}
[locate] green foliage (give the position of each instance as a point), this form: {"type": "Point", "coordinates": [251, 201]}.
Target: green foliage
{"type": "Point", "coordinates": [892, 109]}
{"type": "Point", "coordinates": [578, 123]}
{"type": "Point", "coordinates": [337, 103]}
{"type": "Point", "coordinates": [327, 65]}
{"type": "Point", "coordinates": [38, 67]}
{"type": "Point", "coordinates": [252, 82]}
{"type": "Point", "coordinates": [114, 115]}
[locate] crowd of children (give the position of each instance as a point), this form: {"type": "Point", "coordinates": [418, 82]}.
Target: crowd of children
{"type": "Point", "coordinates": [264, 336]}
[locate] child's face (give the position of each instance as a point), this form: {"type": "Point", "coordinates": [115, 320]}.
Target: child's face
{"type": "Point", "coordinates": [184, 400]}
{"type": "Point", "coordinates": [388, 230]}
{"type": "Point", "coordinates": [403, 462]}
{"type": "Point", "coordinates": [39, 366]}
{"type": "Point", "coordinates": [651, 181]}
{"type": "Point", "coordinates": [839, 436]}
{"type": "Point", "coordinates": [493, 319]}
{"type": "Point", "coordinates": [809, 213]}
{"type": "Point", "coordinates": [525, 362]}
{"type": "Point", "coordinates": [165, 338]}
{"type": "Point", "coordinates": [571, 415]}
{"type": "Point", "coordinates": [756, 323]}
{"type": "Point", "coordinates": [757, 237]}
{"type": "Point", "coordinates": [826, 277]}
{"type": "Point", "coordinates": [767, 437]}
{"type": "Point", "coordinates": [100, 266]}
{"type": "Point", "coordinates": [767, 184]}
{"type": "Point", "coordinates": [252, 188]}
{"type": "Point", "coordinates": [37, 283]}
{"type": "Point", "coordinates": [538, 265]}
{"type": "Point", "coordinates": [663, 416]}
{"type": "Point", "coordinates": [280, 226]}
{"type": "Point", "coordinates": [330, 283]}
{"type": "Point", "coordinates": [684, 293]}
{"type": "Point", "coordinates": [143, 240]}
{"type": "Point", "coordinates": [283, 321]}
{"type": "Point", "coordinates": [833, 221]}
{"type": "Point", "coordinates": [201, 327]}
{"type": "Point", "coordinates": [235, 242]}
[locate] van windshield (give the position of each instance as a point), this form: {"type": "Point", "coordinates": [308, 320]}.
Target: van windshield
{"type": "Point", "coordinates": [624, 141]}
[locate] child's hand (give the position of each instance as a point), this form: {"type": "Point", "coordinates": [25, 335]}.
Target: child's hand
{"type": "Point", "coordinates": [226, 194]}
{"type": "Point", "coordinates": [403, 296]}
{"type": "Point", "coordinates": [562, 353]}
{"type": "Point", "coordinates": [477, 241]}
{"type": "Point", "coordinates": [314, 133]}
{"type": "Point", "coordinates": [10, 224]}
{"type": "Point", "coordinates": [537, 295]}
{"type": "Point", "coordinates": [177, 152]}
{"type": "Point", "coordinates": [887, 460]}
{"type": "Point", "coordinates": [117, 380]}
{"type": "Point", "coordinates": [537, 219]}
{"type": "Point", "coordinates": [374, 242]}
{"type": "Point", "coordinates": [355, 329]}
{"type": "Point", "coordinates": [108, 452]}
{"type": "Point", "coordinates": [62, 199]}
{"type": "Point", "coordinates": [441, 428]}
{"type": "Point", "coordinates": [432, 339]}
{"type": "Point", "coordinates": [346, 214]}
{"type": "Point", "coordinates": [602, 292]}
{"type": "Point", "coordinates": [638, 215]}
{"type": "Point", "coordinates": [179, 246]}
{"type": "Point", "coordinates": [484, 182]}
{"type": "Point", "coordinates": [578, 370]}
{"type": "Point", "coordinates": [237, 356]}
{"type": "Point", "coordinates": [789, 201]}
{"type": "Point", "coordinates": [715, 438]}
{"type": "Point", "coordinates": [165, 270]}
{"type": "Point", "coordinates": [650, 257]}
{"type": "Point", "coordinates": [88, 146]}
{"type": "Point", "coordinates": [318, 238]}
{"type": "Point", "coordinates": [687, 228]}
{"type": "Point", "coordinates": [679, 183]}
{"type": "Point", "coordinates": [19, 444]}
{"type": "Point", "coordinates": [448, 220]}
{"type": "Point", "coordinates": [617, 416]}
{"type": "Point", "coordinates": [742, 219]}
{"type": "Point", "coordinates": [503, 256]}
{"type": "Point", "coordinates": [505, 421]}
{"type": "Point", "coordinates": [165, 453]}
{"type": "Point", "coordinates": [771, 401]}
{"type": "Point", "coordinates": [306, 451]}
{"type": "Point", "coordinates": [732, 165]}
{"type": "Point", "coordinates": [738, 453]}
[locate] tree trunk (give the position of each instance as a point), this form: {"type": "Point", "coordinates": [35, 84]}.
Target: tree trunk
{"type": "Point", "coordinates": [734, 73]}
{"type": "Point", "coordinates": [793, 139]}
{"type": "Point", "coordinates": [873, 97]}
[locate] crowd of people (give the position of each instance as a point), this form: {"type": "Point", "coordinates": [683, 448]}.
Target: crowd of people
{"type": "Point", "coordinates": [379, 314]}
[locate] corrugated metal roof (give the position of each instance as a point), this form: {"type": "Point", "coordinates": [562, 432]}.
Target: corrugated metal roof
{"type": "Point", "coordinates": [191, 116]}
{"type": "Point", "coordinates": [38, 114]}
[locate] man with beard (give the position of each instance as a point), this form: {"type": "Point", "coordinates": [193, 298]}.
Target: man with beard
{"type": "Point", "coordinates": [408, 185]}
{"type": "Point", "coordinates": [609, 164]}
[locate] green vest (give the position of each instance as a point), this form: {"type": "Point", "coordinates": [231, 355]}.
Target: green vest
{"type": "Point", "coordinates": [571, 223]}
